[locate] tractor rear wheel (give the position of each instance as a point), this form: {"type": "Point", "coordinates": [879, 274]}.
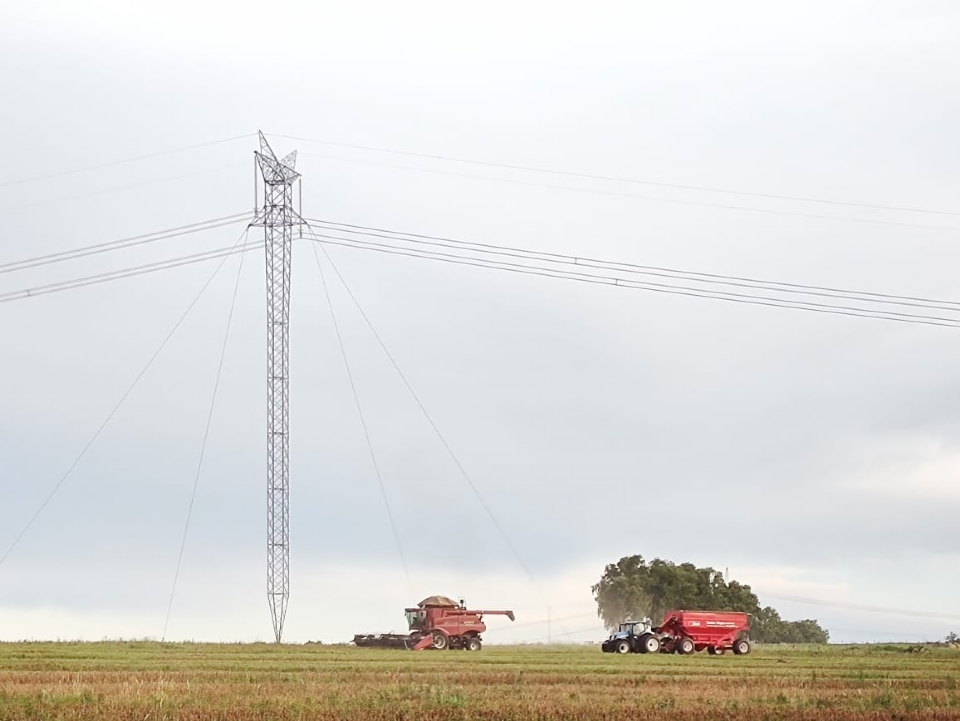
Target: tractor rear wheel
{"type": "Point", "coordinates": [473, 644]}
{"type": "Point", "coordinates": [440, 640]}
{"type": "Point", "coordinates": [741, 647]}
{"type": "Point", "coordinates": [623, 647]}
{"type": "Point", "coordinates": [649, 643]}
{"type": "Point", "coordinates": [686, 646]}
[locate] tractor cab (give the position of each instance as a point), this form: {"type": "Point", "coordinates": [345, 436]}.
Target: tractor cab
{"type": "Point", "coordinates": [629, 629]}
{"type": "Point", "coordinates": [632, 637]}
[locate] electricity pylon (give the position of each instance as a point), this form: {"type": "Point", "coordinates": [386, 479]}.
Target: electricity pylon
{"type": "Point", "coordinates": [278, 217]}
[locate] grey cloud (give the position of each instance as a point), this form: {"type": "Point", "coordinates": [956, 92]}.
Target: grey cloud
{"type": "Point", "coordinates": [596, 422]}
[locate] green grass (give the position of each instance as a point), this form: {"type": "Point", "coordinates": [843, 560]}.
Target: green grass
{"type": "Point", "coordinates": [144, 681]}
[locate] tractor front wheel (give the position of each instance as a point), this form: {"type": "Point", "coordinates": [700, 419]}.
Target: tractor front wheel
{"type": "Point", "coordinates": [623, 647]}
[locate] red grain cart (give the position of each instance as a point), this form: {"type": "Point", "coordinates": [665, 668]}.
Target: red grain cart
{"type": "Point", "coordinates": [717, 631]}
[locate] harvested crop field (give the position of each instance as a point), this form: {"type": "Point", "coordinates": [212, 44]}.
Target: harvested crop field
{"type": "Point", "coordinates": [197, 681]}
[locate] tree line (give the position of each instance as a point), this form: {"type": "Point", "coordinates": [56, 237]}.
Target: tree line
{"type": "Point", "coordinates": [632, 589]}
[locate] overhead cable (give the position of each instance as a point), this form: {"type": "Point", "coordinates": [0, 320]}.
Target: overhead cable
{"type": "Point", "coordinates": [123, 243]}
{"type": "Point", "coordinates": [142, 269]}
{"type": "Point", "coordinates": [203, 445]}
{"type": "Point", "coordinates": [363, 422]}
{"type": "Point", "coordinates": [647, 270]}
{"type": "Point", "coordinates": [112, 163]}
{"type": "Point", "coordinates": [861, 607]}
{"type": "Point", "coordinates": [654, 198]}
{"type": "Point", "coordinates": [665, 288]}
{"type": "Point", "coordinates": [620, 179]}
{"type": "Point", "coordinates": [113, 412]}
{"type": "Point", "coordinates": [433, 425]}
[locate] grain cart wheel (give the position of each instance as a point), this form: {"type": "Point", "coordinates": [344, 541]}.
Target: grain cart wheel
{"type": "Point", "coordinates": [741, 647]}
{"type": "Point", "coordinates": [649, 643]}
{"type": "Point", "coordinates": [715, 650]}
{"type": "Point", "coordinates": [686, 646]}
{"type": "Point", "coordinates": [623, 647]}
{"type": "Point", "coordinates": [473, 644]}
{"type": "Point", "coordinates": [440, 640]}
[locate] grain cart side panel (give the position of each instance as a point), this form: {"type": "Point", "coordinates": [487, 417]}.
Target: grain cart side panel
{"type": "Point", "coordinates": [716, 631]}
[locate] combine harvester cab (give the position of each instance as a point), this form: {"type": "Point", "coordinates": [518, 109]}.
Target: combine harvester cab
{"type": "Point", "coordinates": [686, 632]}
{"type": "Point", "coordinates": [437, 622]}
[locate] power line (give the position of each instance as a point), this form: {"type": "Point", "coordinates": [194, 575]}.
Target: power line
{"type": "Point", "coordinates": [117, 188]}
{"type": "Point", "coordinates": [363, 422]}
{"type": "Point", "coordinates": [113, 412]}
{"type": "Point", "coordinates": [656, 198]}
{"type": "Point", "coordinates": [545, 621]}
{"type": "Point", "coordinates": [635, 181]}
{"type": "Point", "coordinates": [122, 243]}
{"type": "Point", "coordinates": [634, 268]}
{"type": "Point", "coordinates": [541, 271]}
{"type": "Point", "coordinates": [649, 285]}
{"type": "Point", "coordinates": [203, 445]}
{"type": "Point", "coordinates": [113, 163]}
{"type": "Point", "coordinates": [430, 421]}
{"type": "Point", "coordinates": [657, 288]}
{"type": "Point", "coordinates": [862, 607]}
{"type": "Point", "coordinates": [138, 270]}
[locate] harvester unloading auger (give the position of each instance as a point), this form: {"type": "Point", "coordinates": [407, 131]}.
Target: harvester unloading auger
{"type": "Point", "coordinates": [436, 622]}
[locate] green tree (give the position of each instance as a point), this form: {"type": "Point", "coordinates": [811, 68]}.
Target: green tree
{"type": "Point", "coordinates": [634, 589]}
{"type": "Point", "coordinates": [622, 593]}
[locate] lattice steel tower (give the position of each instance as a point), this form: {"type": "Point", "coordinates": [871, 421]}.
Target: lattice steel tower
{"type": "Point", "coordinates": [278, 217]}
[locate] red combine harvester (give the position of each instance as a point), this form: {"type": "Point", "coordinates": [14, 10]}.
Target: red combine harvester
{"type": "Point", "coordinates": [436, 622]}
{"type": "Point", "coordinates": [717, 631]}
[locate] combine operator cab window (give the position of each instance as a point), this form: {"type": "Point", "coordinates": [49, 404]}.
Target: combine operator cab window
{"type": "Point", "coordinates": [415, 618]}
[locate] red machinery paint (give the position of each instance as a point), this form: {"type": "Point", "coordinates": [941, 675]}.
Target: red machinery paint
{"type": "Point", "coordinates": [716, 631]}
{"type": "Point", "coordinates": [436, 622]}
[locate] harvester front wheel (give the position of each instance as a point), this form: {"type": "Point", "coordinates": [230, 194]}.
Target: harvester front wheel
{"type": "Point", "coordinates": [440, 640]}
{"type": "Point", "coordinates": [741, 647]}
{"type": "Point", "coordinates": [473, 644]}
{"type": "Point", "coordinates": [686, 646]}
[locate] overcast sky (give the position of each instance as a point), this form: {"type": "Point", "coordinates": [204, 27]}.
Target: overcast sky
{"type": "Point", "coordinates": [815, 456]}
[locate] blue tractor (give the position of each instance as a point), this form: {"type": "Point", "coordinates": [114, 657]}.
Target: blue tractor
{"type": "Point", "coordinates": [632, 637]}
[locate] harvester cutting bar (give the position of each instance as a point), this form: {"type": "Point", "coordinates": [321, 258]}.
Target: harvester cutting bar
{"type": "Point", "coordinates": [385, 640]}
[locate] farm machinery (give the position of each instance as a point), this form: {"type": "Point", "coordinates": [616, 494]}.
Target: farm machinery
{"type": "Point", "coordinates": [683, 632]}
{"type": "Point", "coordinates": [632, 637]}
{"type": "Point", "coordinates": [436, 622]}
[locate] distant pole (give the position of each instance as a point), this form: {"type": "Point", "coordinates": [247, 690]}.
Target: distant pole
{"type": "Point", "coordinates": [277, 217]}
